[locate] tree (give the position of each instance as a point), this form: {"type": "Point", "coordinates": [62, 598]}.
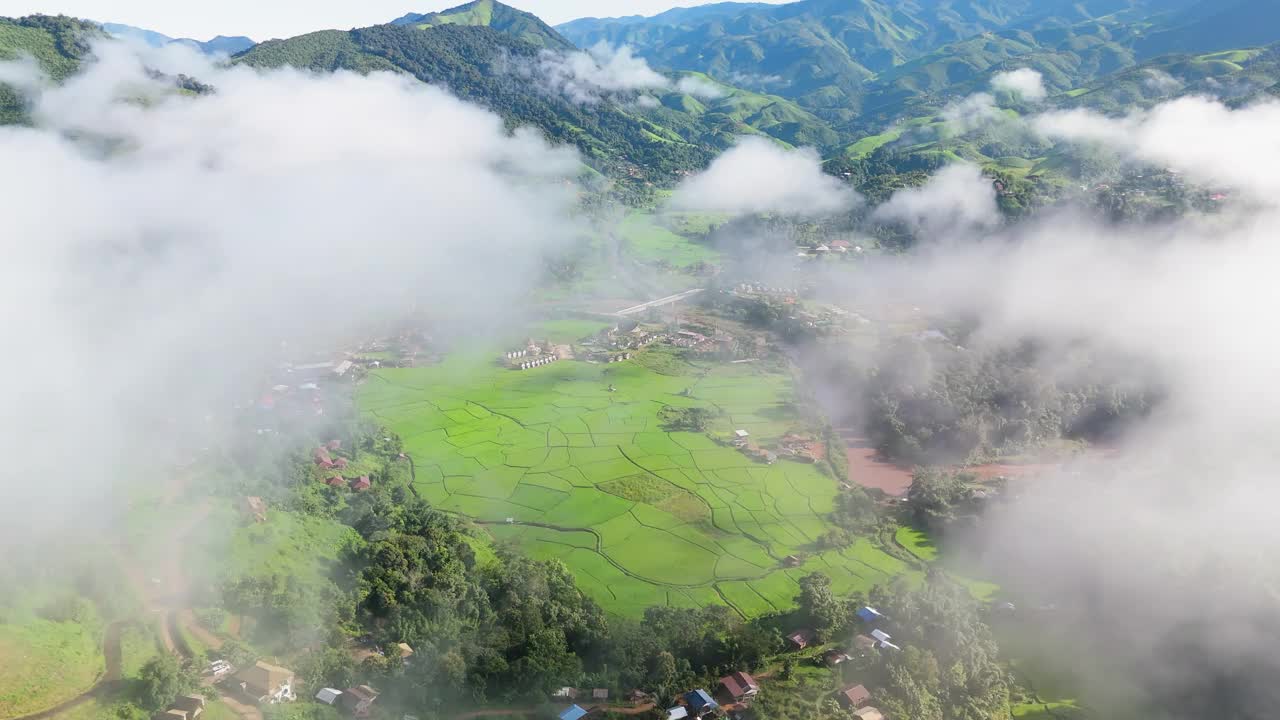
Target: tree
{"type": "Point", "coordinates": [689, 419]}
{"type": "Point", "coordinates": [162, 680]}
{"type": "Point", "coordinates": [824, 612]}
{"type": "Point", "coordinates": [934, 494]}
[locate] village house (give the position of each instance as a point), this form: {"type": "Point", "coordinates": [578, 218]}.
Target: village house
{"type": "Point", "coordinates": [638, 696]}
{"type": "Point", "coordinates": [854, 696]}
{"type": "Point", "coordinates": [800, 639]}
{"type": "Point", "coordinates": [311, 371]}
{"type": "Point", "coordinates": [679, 712]}
{"type": "Point", "coordinates": [361, 483]}
{"type": "Point", "coordinates": [254, 507]}
{"type": "Point", "coordinates": [264, 683]}
{"type": "Point", "coordinates": [358, 700]}
{"type": "Point", "coordinates": [868, 713]}
{"type": "Point", "coordinates": [869, 615]}
{"type": "Point", "coordinates": [739, 686]}
{"type": "Point", "coordinates": [573, 712]}
{"type": "Point", "coordinates": [186, 707]}
{"type": "Point", "coordinates": [835, 657]}
{"type": "Point", "coordinates": [328, 696]}
{"type": "Point", "coordinates": [192, 705]}
{"type": "Point", "coordinates": [565, 693]}
{"type": "Point", "coordinates": [406, 652]}
{"type": "Point", "coordinates": [699, 702]}
{"type": "Point", "coordinates": [600, 695]}
{"type": "Point", "coordinates": [863, 644]}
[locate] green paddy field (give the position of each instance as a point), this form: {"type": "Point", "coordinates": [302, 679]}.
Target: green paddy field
{"type": "Point", "coordinates": [590, 476]}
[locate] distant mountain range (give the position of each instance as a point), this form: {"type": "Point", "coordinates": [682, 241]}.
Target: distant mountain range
{"type": "Point", "coordinates": [865, 81]}
{"type": "Point", "coordinates": [860, 63]}
{"type": "Point", "coordinates": [220, 45]}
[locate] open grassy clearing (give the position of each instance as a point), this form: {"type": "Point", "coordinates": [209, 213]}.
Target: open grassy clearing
{"type": "Point", "coordinates": [43, 663]}
{"type": "Point", "coordinates": [642, 515]}
{"type": "Point", "coordinates": [647, 240]}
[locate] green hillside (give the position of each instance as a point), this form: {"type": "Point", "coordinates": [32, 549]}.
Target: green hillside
{"type": "Point", "coordinates": [57, 44]}
{"type": "Point", "coordinates": [488, 13]}
{"type": "Point", "coordinates": [473, 62]}
{"type": "Point", "coordinates": [621, 137]}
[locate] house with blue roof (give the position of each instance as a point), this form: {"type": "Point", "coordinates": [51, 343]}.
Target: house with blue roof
{"type": "Point", "coordinates": [699, 702]}
{"type": "Point", "coordinates": [573, 713]}
{"type": "Point", "coordinates": [869, 615]}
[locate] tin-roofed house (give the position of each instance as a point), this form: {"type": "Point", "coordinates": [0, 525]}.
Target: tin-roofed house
{"type": "Point", "coordinates": [265, 683]}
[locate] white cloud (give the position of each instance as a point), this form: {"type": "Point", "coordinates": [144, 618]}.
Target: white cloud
{"type": "Point", "coordinates": [160, 254]}
{"type": "Point", "coordinates": [699, 87]}
{"type": "Point", "coordinates": [1024, 82]}
{"type": "Point", "coordinates": [758, 176]}
{"type": "Point", "coordinates": [1190, 304]}
{"type": "Point", "coordinates": [1196, 134]}
{"type": "Point", "coordinates": [1160, 82]}
{"type": "Point", "coordinates": [956, 201]}
{"type": "Point", "coordinates": [587, 76]}
{"type": "Point", "coordinates": [971, 113]}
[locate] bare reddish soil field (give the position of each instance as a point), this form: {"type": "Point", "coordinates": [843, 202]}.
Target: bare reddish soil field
{"type": "Point", "coordinates": [869, 469]}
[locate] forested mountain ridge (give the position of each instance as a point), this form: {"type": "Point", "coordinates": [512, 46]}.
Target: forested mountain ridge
{"type": "Point", "coordinates": [56, 43]}
{"type": "Point", "coordinates": [491, 68]}
{"type": "Point", "coordinates": [487, 13]}
{"type": "Point", "coordinates": [618, 136]}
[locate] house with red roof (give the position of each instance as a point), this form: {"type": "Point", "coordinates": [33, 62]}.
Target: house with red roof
{"type": "Point", "coordinates": [361, 483]}
{"type": "Point", "coordinates": [800, 639]}
{"type": "Point", "coordinates": [739, 686]}
{"type": "Point", "coordinates": [335, 481]}
{"type": "Point", "coordinates": [854, 696]}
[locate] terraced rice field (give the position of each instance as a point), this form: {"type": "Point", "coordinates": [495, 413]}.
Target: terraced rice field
{"type": "Point", "coordinates": [589, 476]}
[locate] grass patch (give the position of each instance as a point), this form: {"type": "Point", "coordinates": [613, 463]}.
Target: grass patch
{"type": "Point", "coordinates": [640, 488]}
{"type": "Point", "coordinates": [917, 542]}
{"type": "Point", "coordinates": [43, 663]}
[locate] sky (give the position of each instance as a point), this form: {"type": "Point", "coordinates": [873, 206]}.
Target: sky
{"type": "Point", "coordinates": [263, 20]}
